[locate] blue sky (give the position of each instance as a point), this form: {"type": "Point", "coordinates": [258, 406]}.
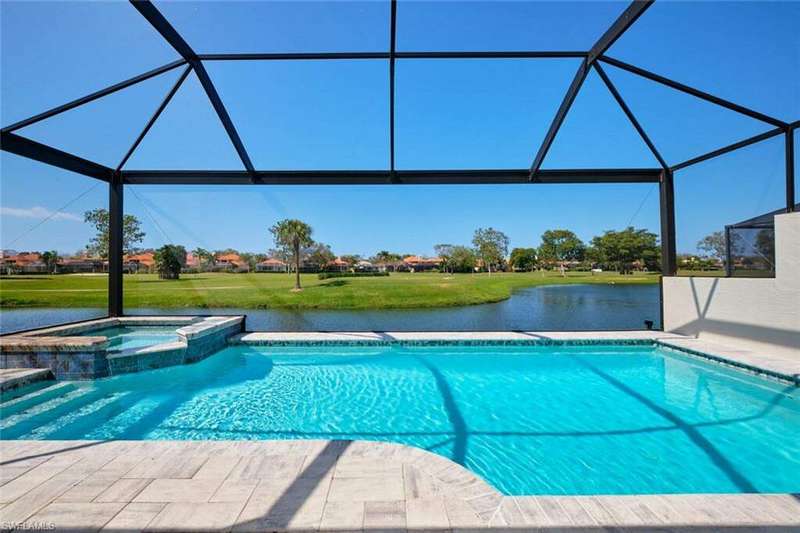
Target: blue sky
{"type": "Point", "coordinates": [450, 114]}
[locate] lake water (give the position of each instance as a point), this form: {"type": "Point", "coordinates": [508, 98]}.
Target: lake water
{"type": "Point", "coordinates": [554, 307]}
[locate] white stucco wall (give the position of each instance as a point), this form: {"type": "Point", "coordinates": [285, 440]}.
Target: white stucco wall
{"type": "Point", "coordinates": [755, 314]}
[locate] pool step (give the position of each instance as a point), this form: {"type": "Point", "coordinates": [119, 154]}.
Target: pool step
{"type": "Point", "coordinates": [26, 421]}
{"type": "Point", "coordinates": [141, 415]}
{"type": "Point", "coordinates": [80, 421]}
{"type": "Point", "coordinates": [32, 399]}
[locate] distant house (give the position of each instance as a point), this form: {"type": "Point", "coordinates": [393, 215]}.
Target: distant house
{"type": "Point", "coordinates": [23, 263]}
{"type": "Point", "coordinates": [416, 263]}
{"type": "Point", "coordinates": [230, 261]}
{"type": "Point", "coordinates": [365, 266]}
{"type": "Point", "coordinates": [390, 266]}
{"type": "Point", "coordinates": [337, 265]}
{"type": "Point", "coordinates": [271, 265]}
{"type": "Point", "coordinates": [82, 265]}
{"type": "Point", "coordinates": [143, 262]}
{"type": "Point", "coordinates": [192, 262]}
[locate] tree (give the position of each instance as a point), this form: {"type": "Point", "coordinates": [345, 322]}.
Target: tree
{"type": "Point", "coordinates": [293, 234]}
{"type": "Point", "coordinates": [713, 245]}
{"type": "Point", "coordinates": [50, 260]}
{"type": "Point", "coordinates": [445, 252]}
{"type": "Point", "coordinates": [282, 253]}
{"type": "Point", "coordinates": [251, 259]}
{"type": "Point", "coordinates": [523, 259]}
{"type": "Point", "coordinates": [386, 257]}
{"type": "Point", "coordinates": [319, 254]}
{"type": "Point", "coordinates": [491, 245]}
{"type": "Point", "coordinates": [204, 257]}
{"type": "Point", "coordinates": [132, 233]}
{"type": "Point", "coordinates": [462, 259]}
{"type": "Point", "coordinates": [623, 248]}
{"type": "Point", "coordinates": [170, 259]}
{"type": "Point", "coordinates": [560, 246]}
{"type": "Point", "coordinates": [350, 259]}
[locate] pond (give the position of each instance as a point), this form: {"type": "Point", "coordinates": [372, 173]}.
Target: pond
{"type": "Point", "coordinates": [549, 308]}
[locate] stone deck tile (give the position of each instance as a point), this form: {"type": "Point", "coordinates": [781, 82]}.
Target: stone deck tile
{"type": "Point", "coordinates": [77, 516]}
{"type": "Point", "coordinates": [196, 517]}
{"type": "Point", "coordinates": [123, 490]}
{"type": "Point", "coordinates": [234, 491]}
{"type": "Point", "coordinates": [342, 516]}
{"type": "Point", "coordinates": [267, 467]}
{"type": "Point", "coordinates": [426, 513]}
{"type": "Point", "coordinates": [334, 487]}
{"type": "Point", "coordinates": [367, 489]}
{"type": "Point", "coordinates": [170, 465]}
{"type": "Point", "coordinates": [134, 517]}
{"type": "Point", "coordinates": [386, 514]}
{"type": "Point", "coordinates": [179, 491]}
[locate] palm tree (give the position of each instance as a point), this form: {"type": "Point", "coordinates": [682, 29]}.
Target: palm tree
{"type": "Point", "coordinates": [293, 234]}
{"type": "Point", "coordinates": [50, 259]}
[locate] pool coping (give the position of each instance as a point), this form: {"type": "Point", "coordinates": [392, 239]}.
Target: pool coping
{"type": "Point", "coordinates": [781, 368]}
{"type": "Point", "coordinates": [323, 485]}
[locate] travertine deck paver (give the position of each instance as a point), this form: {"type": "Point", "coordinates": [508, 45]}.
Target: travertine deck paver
{"type": "Point", "coordinates": [339, 486]}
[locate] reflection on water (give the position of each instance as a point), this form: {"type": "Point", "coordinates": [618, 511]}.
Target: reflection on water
{"type": "Point", "coordinates": [555, 307]}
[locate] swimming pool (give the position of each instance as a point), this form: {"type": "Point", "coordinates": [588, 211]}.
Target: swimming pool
{"type": "Point", "coordinates": [129, 337]}
{"type": "Point", "coordinates": [593, 419]}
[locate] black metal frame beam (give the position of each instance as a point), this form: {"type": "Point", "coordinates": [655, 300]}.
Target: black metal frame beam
{"type": "Point", "coordinates": [729, 148]}
{"type": "Point", "coordinates": [790, 177]}
{"type": "Point", "coordinates": [323, 56]}
{"type": "Point", "coordinates": [115, 244]}
{"type": "Point", "coordinates": [694, 92]}
{"type": "Point", "coordinates": [94, 96]}
{"type": "Point", "coordinates": [382, 177]}
{"type": "Point", "coordinates": [628, 17]}
{"type": "Point", "coordinates": [392, 52]}
{"type": "Point", "coordinates": [669, 256]}
{"type": "Point", "coordinates": [168, 32]}
{"type": "Point", "coordinates": [628, 113]}
{"type": "Point", "coordinates": [154, 117]}
{"type": "Point", "coordinates": [22, 146]}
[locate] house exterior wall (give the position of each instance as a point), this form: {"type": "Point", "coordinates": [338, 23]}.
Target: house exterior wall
{"type": "Point", "coordinates": [761, 315]}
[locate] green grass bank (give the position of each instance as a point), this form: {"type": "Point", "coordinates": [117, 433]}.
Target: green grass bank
{"type": "Point", "coordinates": [272, 291]}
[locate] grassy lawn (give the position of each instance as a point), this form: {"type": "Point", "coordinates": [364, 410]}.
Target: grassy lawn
{"type": "Point", "coordinates": [402, 290]}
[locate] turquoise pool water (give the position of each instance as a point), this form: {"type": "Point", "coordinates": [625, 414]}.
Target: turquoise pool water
{"type": "Point", "coordinates": [128, 337]}
{"type": "Point", "coordinates": [598, 419]}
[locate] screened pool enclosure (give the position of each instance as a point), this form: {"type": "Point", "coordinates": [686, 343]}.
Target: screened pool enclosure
{"type": "Point", "coordinates": [199, 62]}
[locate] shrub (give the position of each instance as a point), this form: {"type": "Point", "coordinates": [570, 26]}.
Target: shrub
{"type": "Point", "coordinates": [329, 275]}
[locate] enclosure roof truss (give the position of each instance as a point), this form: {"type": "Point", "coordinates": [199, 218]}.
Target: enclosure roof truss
{"type": "Point", "coordinates": [190, 61]}
{"type": "Point", "coordinates": [193, 62]}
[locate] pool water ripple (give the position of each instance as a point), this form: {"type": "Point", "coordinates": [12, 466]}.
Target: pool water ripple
{"type": "Point", "coordinates": [599, 419]}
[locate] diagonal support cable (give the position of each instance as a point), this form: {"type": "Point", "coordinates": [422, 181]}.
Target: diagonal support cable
{"type": "Point", "coordinates": [628, 113]}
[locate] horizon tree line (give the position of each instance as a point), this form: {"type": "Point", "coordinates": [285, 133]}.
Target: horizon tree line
{"type": "Point", "coordinates": [488, 250]}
